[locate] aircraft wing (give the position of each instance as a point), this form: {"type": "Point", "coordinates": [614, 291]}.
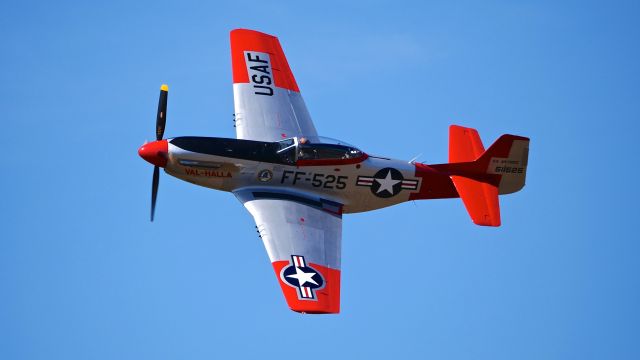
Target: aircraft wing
{"type": "Point", "coordinates": [302, 235]}
{"type": "Point", "coordinates": [268, 104]}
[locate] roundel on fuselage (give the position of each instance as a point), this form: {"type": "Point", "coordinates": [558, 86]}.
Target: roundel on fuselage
{"type": "Point", "coordinates": [387, 182]}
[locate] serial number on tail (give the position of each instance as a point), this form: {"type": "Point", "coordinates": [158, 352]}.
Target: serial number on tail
{"type": "Point", "coordinates": [509, 170]}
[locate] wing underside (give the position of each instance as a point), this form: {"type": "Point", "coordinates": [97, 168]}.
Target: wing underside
{"type": "Point", "coordinates": [302, 236]}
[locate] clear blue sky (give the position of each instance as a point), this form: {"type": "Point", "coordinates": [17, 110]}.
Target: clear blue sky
{"type": "Point", "coordinates": [84, 275]}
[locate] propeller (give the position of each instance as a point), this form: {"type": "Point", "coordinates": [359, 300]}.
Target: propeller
{"type": "Point", "coordinates": [161, 120]}
{"type": "Point", "coordinates": [154, 190]}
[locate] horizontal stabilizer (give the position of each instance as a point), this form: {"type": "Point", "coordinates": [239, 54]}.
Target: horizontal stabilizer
{"type": "Point", "coordinates": [480, 199]}
{"type": "Point", "coordinates": [464, 144]}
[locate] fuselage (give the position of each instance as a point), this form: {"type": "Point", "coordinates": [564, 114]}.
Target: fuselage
{"type": "Point", "coordinates": [337, 173]}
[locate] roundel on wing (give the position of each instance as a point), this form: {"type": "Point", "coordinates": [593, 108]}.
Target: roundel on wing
{"type": "Point", "coordinates": [298, 276]}
{"type": "Point", "coordinates": [302, 276]}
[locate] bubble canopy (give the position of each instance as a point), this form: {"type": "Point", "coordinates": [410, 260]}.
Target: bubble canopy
{"type": "Point", "coordinates": [328, 140]}
{"type": "Point", "coordinates": [319, 148]}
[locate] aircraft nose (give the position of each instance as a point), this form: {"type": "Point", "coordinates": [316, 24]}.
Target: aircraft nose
{"type": "Point", "coordinates": [157, 152]}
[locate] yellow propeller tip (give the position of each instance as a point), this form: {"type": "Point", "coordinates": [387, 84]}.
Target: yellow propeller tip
{"type": "Point", "coordinates": [164, 87]}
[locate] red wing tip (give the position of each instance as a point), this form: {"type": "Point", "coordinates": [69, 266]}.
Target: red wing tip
{"type": "Point", "coordinates": [248, 31]}
{"type": "Point", "coordinates": [313, 307]}
{"type": "Point", "coordinates": [487, 223]}
{"type": "Point", "coordinates": [453, 126]}
{"type": "Point", "coordinates": [317, 312]}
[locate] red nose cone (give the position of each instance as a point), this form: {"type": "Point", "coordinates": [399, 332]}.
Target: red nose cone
{"type": "Point", "coordinates": [156, 152]}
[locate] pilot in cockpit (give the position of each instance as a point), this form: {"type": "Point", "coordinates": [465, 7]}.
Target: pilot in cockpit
{"type": "Point", "coordinates": [305, 152]}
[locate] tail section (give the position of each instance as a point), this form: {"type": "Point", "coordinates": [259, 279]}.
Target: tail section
{"type": "Point", "coordinates": [480, 176]}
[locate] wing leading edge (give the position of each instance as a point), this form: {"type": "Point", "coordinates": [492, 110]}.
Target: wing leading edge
{"type": "Point", "coordinates": [302, 236]}
{"type": "Point", "coordinates": [268, 104]}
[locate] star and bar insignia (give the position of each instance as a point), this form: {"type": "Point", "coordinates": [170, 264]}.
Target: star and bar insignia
{"type": "Point", "coordinates": [387, 182]}
{"type": "Point", "coordinates": [303, 277]}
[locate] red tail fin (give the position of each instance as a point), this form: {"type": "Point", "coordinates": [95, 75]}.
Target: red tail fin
{"type": "Point", "coordinates": [464, 144]}
{"type": "Point", "coordinates": [480, 199]}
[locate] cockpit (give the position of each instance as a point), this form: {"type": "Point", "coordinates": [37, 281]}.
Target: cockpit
{"type": "Point", "coordinates": [316, 150]}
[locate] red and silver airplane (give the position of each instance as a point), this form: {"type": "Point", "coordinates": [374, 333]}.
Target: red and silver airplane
{"type": "Point", "coordinates": [297, 185]}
